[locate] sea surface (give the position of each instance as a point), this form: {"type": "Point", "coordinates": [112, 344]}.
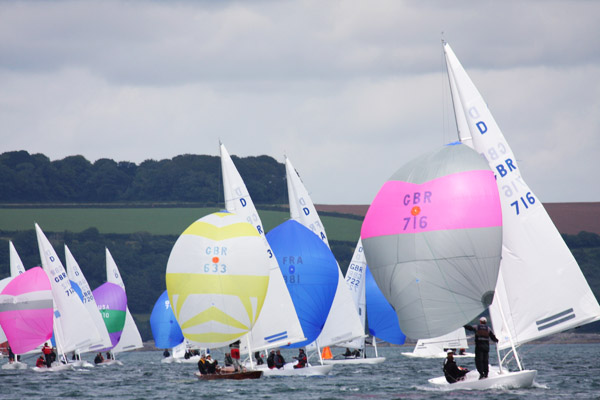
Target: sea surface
{"type": "Point", "coordinates": [565, 371]}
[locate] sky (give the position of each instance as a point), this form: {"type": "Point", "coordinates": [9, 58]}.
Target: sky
{"type": "Point", "coordinates": [348, 90]}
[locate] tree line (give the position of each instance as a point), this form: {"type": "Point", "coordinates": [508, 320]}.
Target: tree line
{"type": "Point", "coordinates": [34, 178]}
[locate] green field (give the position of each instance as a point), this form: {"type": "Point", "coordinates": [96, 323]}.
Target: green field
{"type": "Point", "coordinates": [157, 221]}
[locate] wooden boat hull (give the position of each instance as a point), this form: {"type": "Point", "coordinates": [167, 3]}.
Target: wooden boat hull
{"type": "Point", "coordinates": [230, 375]}
{"type": "Point", "coordinates": [495, 380]}
{"type": "Point", "coordinates": [368, 360]}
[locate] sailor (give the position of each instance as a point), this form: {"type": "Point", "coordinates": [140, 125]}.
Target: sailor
{"type": "Point", "coordinates": [259, 360]}
{"type": "Point", "coordinates": [279, 360]}
{"type": "Point", "coordinates": [47, 350]}
{"type": "Point", "coordinates": [453, 372]}
{"type": "Point", "coordinates": [202, 367]}
{"type": "Point", "coordinates": [483, 334]}
{"type": "Point", "coordinates": [302, 360]}
{"type": "Point", "coordinates": [271, 360]}
{"type": "Point", "coordinates": [40, 362]}
{"type": "Point", "coordinates": [166, 353]}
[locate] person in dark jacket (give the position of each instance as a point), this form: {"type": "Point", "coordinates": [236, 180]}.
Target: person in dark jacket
{"type": "Point", "coordinates": [271, 360]}
{"type": "Point", "coordinates": [259, 360]}
{"type": "Point", "coordinates": [202, 365]}
{"type": "Point", "coordinates": [453, 372]}
{"type": "Point", "coordinates": [483, 335]}
{"type": "Point", "coordinates": [279, 360]}
{"type": "Point", "coordinates": [302, 360]}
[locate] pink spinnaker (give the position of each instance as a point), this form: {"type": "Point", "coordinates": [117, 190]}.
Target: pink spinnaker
{"type": "Point", "coordinates": [26, 310]}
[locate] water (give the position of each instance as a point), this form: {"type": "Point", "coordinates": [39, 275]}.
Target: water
{"type": "Point", "coordinates": [564, 372]}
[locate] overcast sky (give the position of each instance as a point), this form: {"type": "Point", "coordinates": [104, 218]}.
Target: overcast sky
{"type": "Point", "coordinates": [349, 90]}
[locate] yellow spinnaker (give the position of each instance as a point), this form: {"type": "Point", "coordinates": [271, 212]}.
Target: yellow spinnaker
{"type": "Point", "coordinates": [217, 279]}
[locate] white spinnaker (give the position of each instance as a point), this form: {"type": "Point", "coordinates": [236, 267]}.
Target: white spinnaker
{"type": "Point", "coordinates": [76, 275]}
{"type": "Point", "coordinates": [277, 323]}
{"type": "Point", "coordinates": [130, 337]}
{"type": "Point", "coordinates": [69, 312]}
{"type": "Point", "coordinates": [541, 289]}
{"type": "Point", "coordinates": [343, 323]}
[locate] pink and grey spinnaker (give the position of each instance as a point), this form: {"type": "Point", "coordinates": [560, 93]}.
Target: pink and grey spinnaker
{"type": "Point", "coordinates": [26, 310]}
{"type": "Point", "coordinates": [433, 240]}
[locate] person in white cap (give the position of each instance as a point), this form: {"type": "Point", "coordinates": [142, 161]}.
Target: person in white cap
{"type": "Point", "coordinates": [483, 334]}
{"type": "Point", "coordinates": [453, 372]}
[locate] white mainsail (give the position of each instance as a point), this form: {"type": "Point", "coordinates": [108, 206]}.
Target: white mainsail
{"type": "Point", "coordinates": [69, 312]}
{"type": "Point", "coordinates": [76, 275]}
{"type": "Point", "coordinates": [277, 324]}
{"type": "Point", "coordinates": [436, 347]}
{"type": "Point", "coordinates": [16, 265]}
{"type": "Point", "coordinates": [541, 289]}
{"type": "Point", "coordinates": [130, 337]}
{"type": "Point", "coordinates": [343, 322]}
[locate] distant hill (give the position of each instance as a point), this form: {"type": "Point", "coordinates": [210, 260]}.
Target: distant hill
{"type": "Point", "coordinates": [569, 218]}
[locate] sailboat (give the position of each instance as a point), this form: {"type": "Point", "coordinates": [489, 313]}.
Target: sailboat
{"type": "Point", "coordinates": [437, 347]}
{"type": "Point", "coordinates": [26, 312]}
{"type": "Point", "coordinates": [130, 337]}
{"type": "Point", "coordinates": [278, 323]}
{"type": "Point", "coordinates": [541, 289]}
{"type": "Point", "coordinates": [70, 314]}
{"type": "Point", "coordinates": [81, 286]}
{"type": "Point", "coordinates": [370, 302]}
{"type": "Point", "coordinates": [165, 328]}
{"type": "Point", "coordinates": [16, 269]}
{"type": "Point", "coordinates": [310, 271]}
{"type": "Point", "coordinates": [433, 239]}
{"type": "Point", "coordinates": [217, 279]}
{"type": "Point", "coordinates": [343, 323]}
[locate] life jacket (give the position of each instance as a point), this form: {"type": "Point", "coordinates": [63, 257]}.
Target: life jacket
{"type": "Point", "coordinates": [46, 349]}
{"type": "Point", "coordinates": [483, 333]}
{"type": "Point", "coordinates": [235, 353]}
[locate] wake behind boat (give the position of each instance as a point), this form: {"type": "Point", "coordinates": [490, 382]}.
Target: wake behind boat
{"type": "Point", "coordinates": [289, 370]}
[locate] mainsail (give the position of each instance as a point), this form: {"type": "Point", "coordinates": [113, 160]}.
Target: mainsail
{"type": "Point", "coordinates": [70, 313]}
{"type": "Point", "coordinates": [87, 298]}
{"type": "Point", "coordinates": [130, 337]}
{"type": "Point", "coordinates": [541, 289]}
{"type": "Point", "coordinates": [433, 237]}
{"type": "Point", "coordinates": [343, 322]}
{"type": "Point", "coordinates": [278, 324]}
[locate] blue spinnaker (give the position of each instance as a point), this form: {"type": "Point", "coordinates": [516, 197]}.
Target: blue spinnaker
{"type": "Point", "coordinates": [381, 317]}
{"type": "Point", "coordinates": [310, 272]}
{"type": "Point", "coordinates": [165, 329]}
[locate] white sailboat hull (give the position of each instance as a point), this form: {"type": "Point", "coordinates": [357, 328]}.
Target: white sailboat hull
{"type": "Point", "coordinates": [438, 355]}
{"type": "Point", "coordinates": [368, 360]}
{"type": "Point", "coordinates": [495, 380]}
{"type": "Point", "coordinates": [54, 368]}
{"type": "Point", "coordinates": [289, 370]}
